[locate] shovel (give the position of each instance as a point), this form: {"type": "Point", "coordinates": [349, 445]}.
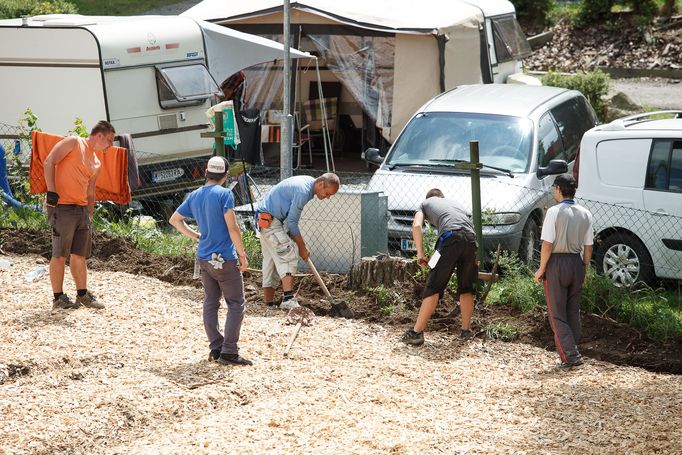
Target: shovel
{"type": "Point", "coordinates": [338, 309]}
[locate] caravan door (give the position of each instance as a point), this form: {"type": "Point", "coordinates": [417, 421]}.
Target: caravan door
{"type": "Point", "coordinates": [507, 45]}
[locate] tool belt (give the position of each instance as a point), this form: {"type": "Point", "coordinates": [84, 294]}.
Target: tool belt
{"type": "Point", "coordinates": [264, 220]}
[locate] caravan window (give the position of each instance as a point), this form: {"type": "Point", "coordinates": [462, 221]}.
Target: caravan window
{"type": "Point", "coordinates": [184, 85]}
{"type": "Point", "coordinates": [510, 42]}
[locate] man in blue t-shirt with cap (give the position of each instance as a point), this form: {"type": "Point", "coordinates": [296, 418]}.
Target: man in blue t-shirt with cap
{"type": "Point", "coordinates": [212, 206]}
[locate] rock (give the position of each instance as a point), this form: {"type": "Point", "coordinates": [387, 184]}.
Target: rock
{"type": "Point", "coordinates": [623, 102]}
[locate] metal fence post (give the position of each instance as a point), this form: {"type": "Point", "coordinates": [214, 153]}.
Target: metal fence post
{"type": "Point", "coordinates": [476, 196]}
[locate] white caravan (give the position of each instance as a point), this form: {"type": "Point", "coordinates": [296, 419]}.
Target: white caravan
{"type": "Point", "coordinates": [153, 77]}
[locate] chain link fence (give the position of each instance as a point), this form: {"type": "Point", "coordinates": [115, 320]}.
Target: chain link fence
{"type": "Point", "coordinates": [373, 212]}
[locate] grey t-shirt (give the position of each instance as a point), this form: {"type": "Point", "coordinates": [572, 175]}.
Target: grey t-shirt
{"type": "Point", "coordinates": [446, 215]}
{"type": "Point", "coordinates": [567, 226]}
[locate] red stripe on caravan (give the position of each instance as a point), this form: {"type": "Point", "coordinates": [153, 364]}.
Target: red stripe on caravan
{"type": "Point", "coordinates": [551, 322]}
{"type": "Point", "coordinates": [172, 45]}
{"type": "Point", "coordinates": [133, 50]}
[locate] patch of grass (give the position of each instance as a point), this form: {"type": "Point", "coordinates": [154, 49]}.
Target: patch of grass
{"type": "Point", "coordinates": [658, 312]}
{"type": "Point", "coordinates": [145, 234]}
{"type": "Point", "coordinates": [502, 331]}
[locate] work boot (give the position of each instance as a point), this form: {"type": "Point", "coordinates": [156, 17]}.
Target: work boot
{"type": "Point", "coordinates": [466, 334]}
{"type": "Point", "coordinates": [63, 302]}
{"type": "Point", "coordinates": [570, 366]}
{"type": "Point", "coordinates": [289, 304]}
{"type": "Point", "coordinates": [413, 338]}
{"type": "Point", "coordinates": [214, 355]}
{"type": "Point", "coordinates": [89, 301]}
{"type": "Point", "coordinates": [233, 359]}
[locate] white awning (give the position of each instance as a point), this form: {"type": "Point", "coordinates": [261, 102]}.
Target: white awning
{"type": "Point", "coordinates": [425, 16]}
{"type": "Point", "coordinates": [228, 51]}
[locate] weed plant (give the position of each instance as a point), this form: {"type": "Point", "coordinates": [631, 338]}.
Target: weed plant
{"type": "Point", "coordinates": [516, 287]}
{"type": "Point", "coordinates": [388, 300]}
{"type": "Point", "coordinates": [502, 331]}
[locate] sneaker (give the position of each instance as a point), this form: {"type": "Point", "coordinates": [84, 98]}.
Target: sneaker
{"type": "Point", "coordinates": [569, 366]}
{"type": "Point", "coordinates": [89, 301]}
{"type": "Point", "coordinates": [63, 302]}
{"type": "Point", "coordinates": [289, 304]}
{"type": "Point", "coordinates": [214, 355]}
{"type": "Point", "coordinates": [413, 338]}
{"type": "Point", "coordinates": [466, 334]}
{"type": "Point", "coordinates": [233, 359]}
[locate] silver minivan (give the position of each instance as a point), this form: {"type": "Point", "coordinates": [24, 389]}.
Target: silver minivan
{"type": "Point", "coordinates": [525, 133]}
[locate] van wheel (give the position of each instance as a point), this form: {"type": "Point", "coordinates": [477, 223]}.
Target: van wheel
{"type": "Point", "coordinates": [529, 249]}
{"type": "Point", "coordinates": [624, 260]}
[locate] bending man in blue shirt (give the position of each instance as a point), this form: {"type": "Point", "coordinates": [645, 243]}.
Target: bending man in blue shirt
{"type": "Point", "coordinates": [212, 206]}
{"type": "Point", "coordinates": [281, 239]}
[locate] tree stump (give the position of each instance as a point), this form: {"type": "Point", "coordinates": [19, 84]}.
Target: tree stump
{"type": "Point", "coordinates": [381, 270]}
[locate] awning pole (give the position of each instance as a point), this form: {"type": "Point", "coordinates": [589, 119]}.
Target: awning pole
{"type": "Point", "coordinates": [287, 119]}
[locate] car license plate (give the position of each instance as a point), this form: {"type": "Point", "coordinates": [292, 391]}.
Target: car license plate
{"type": "Point", "coordinates": [407, 245]}
{"type": "Point", "coordinates": [167, 175]}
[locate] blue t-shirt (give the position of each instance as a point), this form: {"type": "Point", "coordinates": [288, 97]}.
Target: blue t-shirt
{"type": "Point", "coordinates": [208, 205]}
{"type": "Point", "coordinates": [286, 200]}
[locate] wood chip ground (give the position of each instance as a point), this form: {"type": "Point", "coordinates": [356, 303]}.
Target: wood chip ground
{"type": "Point", "coordinates": [134, 378]}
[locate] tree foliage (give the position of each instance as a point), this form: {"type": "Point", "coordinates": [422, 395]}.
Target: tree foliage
{"type": "Point", "coordinates": [533, 12]}
{"type": "Point", "coordinates": [592, 11]}
{"type": "Point", "coordinates": [10, 9]}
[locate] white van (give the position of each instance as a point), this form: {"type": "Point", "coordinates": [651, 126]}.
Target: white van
{"type": "Point", "coordinates": [630, 177]}
{"type": "Point", "coordinates": [150, 76]}
{"type": "Point", "coordinates": [525, 133]}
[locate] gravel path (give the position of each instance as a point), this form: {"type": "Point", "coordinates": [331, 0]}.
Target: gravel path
{"type": "Point", "coordinates": [648, 92]}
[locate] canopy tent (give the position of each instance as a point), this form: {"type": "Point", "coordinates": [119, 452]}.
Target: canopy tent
{"type": "Point", "coordinates": [229, 51]}
{"type": "Point", "coordinates": [390, 55]}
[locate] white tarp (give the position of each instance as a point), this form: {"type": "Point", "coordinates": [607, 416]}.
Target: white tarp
{"type": "Point", "coordinates": [228, 51]}
{"type": "Point", "coordinates": [425, 16]}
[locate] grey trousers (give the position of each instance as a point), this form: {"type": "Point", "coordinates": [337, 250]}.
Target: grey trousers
{"type": "Point", "coordinates": [227, 282]}
{"type": "Point", "coordinates": [563, 287]}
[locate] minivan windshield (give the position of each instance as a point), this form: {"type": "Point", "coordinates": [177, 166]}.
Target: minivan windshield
{"type": "Point", "coordinates": [441, 138]}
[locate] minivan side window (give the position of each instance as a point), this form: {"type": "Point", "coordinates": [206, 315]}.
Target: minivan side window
{"type": "Point", "coordinates": [573, 117]}
{"type": "Point", "coordinates": [549, 142]}
{"type": "Point", "coordinates": [664, 171]}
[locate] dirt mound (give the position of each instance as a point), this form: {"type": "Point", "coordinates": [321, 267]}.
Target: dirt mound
{"type": "Point", "coordinates": [602, 338]}
{"type": "Point", "coordinates": [619, 44]}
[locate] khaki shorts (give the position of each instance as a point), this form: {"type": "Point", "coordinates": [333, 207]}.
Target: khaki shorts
{"type": "Point", "coordinates": [71, 231]}
{"type": "Point", "coordinates": [280, 254]}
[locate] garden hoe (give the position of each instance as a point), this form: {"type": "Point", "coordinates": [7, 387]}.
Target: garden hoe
{"type": "Point", "coordinates": [300, 316]}
{"type": "Point", "coordinates": [338, 309]}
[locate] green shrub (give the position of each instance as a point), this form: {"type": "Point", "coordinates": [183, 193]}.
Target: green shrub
{"type": "Point", "coordinates": [16, 8]}
{"type": "Point", "coordinates": [594, 85]}
{"type": "Point", "coordinates": [252, 249]}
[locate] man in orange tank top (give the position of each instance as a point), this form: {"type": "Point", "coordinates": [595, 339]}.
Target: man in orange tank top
{"type": "Point", "coordinates": [71, 169]}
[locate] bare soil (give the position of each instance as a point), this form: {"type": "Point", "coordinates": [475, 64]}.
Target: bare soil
{"type": "Point", "coordinates": [603, 339]}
